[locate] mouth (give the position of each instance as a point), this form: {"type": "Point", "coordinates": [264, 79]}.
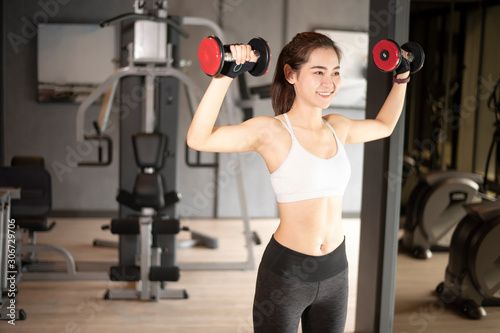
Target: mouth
{"type": "Point", "coordinates": [325, 94]}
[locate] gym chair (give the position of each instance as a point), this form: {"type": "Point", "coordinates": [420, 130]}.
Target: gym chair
{"type": "Point", "coordinates": [148, 235]}
{"type": "Point", "coordinates": [30, 213]}
{"type": "Point", "coordinates": [435, 207]}
{"type": "Point", "coordinates": [472, 277]}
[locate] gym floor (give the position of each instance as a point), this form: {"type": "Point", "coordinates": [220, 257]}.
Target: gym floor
{"type": "Point", "coordinates": [219, 301]}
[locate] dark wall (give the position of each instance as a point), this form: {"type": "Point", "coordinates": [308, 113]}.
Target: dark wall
{"type": "Point", "coordinates": [48, 130]}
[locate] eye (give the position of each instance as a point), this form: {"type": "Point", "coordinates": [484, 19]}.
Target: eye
{"type": "Point", "coordinates": [318, 73]}
{"type": "Point", "coordinates": [336, 74]}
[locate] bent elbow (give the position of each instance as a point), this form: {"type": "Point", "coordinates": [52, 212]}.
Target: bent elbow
{"type": "Point", "coordinates": [386, 129]}
{"type": "Point", "coordinates": [389, 132]}
{"type": "Point", "coordinates": [197, 141]}
{"type": "Point", "coordinates": [193, 142]}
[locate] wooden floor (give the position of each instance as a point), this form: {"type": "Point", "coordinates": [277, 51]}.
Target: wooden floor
{"type": "Point", "coordinates": [219, 301]}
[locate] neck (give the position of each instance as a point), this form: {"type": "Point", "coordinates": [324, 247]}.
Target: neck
{"type": "Point", "coordinates": [306, 116]}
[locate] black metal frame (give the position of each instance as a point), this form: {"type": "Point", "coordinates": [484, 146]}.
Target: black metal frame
{"type": "Point", "coordinates": [381, 189]}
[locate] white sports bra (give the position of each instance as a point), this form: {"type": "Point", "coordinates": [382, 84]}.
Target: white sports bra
{"type": "Point", "coordinates": [303, 175]}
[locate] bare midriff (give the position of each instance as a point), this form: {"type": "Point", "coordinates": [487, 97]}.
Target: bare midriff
{"type": "Point", "coordinates": [312, 227]}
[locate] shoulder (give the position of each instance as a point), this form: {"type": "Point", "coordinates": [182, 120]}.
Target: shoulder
{"type": "Point", "coordinates": [264, 129]}
{"type": "Point", "coordinates": [261, 120]}
{"type": "Point", "coordinates": [336, 119]}
{"type": "Point", "coordinates": [266, 134]}
{"type": "Point", "coordinates": [340, 124]}
{"type": "Point", "coordinates": [265, 122]}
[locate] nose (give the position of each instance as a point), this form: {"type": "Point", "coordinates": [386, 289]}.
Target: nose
{"type": "Point", "coordinates": [329, 81]}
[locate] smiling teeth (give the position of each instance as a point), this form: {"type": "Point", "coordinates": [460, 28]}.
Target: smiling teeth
{"type": "Point", "coordinates": [324, 94]}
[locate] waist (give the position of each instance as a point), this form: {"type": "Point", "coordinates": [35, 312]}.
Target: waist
{"type": "Point", "coordinates": [298, 266]}
{"type": "Point", "coordinates": [313, 227]}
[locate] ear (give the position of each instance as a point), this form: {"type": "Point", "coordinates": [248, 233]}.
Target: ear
{"type": "Point", "coordinates": [290, 74]}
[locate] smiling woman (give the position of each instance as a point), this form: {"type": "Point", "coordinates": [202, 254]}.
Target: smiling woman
{"type": "Point", "coordinates": [320, 78]}
{"type": "Point", "coordinates": [303, 272]}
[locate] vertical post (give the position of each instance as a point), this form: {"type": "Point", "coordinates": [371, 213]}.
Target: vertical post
{"type": "Point", "coordinates": [168, 123]}
{"type": "Point", "coordinates": [381, 185]}
{"type": "Point", "coordinates": [449, 51]}
{"type": "Point", "coordinates": [148, 109]}
{"type": "Point", "coordinates": [2, 5]}
{"type": "Point", "coordinates": [146, 225]}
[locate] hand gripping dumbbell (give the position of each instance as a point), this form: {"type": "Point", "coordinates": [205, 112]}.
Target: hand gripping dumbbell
{"type": "Point", "coordinates": [213, 54]}
{"type": "Point", "coordinates": [387, 55]}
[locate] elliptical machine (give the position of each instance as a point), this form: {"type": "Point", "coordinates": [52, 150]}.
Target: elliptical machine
{"type": "Point", "coordinates": [434, 208]}
{"type": "Point", "coordinates": [435, 204]}
{"type": "Point", "coordinates": [472, 278]}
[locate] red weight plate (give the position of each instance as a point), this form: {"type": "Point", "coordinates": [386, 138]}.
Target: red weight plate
{"type": "Point", "coordinates": [210, 55]}
{"type": "Point", "coordinates": [386, 55]}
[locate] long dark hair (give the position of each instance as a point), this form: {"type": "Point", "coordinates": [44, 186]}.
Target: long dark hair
{"type": "Point", "coordinates": [295, 54]}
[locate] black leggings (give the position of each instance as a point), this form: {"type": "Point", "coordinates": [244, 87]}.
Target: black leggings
{"type": "Point", "coordinates": [293, 286]}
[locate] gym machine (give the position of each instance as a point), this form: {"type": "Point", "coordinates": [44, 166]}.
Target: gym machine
{"type": "Point", "coordinates": [151, 59]}
{"type": "Point", "coordinates": [472, 277]}
{"type": "Point", "coordinates": [148, 198]}
{"type": "Point", "coordinates": [436, 204]}
{"type": "Point", "coordinates": [434, 208]}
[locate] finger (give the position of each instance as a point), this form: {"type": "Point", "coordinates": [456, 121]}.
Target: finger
{"type": "Point", "coordinates": [241, 54]}
{"type": "Point", "coordinates": [248, 52]}
{"type": "Point", "coordinates": [234, 52]}
{"type": "Point", "coordinates": [252, 55]}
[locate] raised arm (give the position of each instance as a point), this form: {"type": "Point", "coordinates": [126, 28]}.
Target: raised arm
{"type": "Point", "coordinates": [384, 123]}
{"type": "Point", "coordinates": [410, 57]}
{"type": "Point", "coordinates": [203, 135]}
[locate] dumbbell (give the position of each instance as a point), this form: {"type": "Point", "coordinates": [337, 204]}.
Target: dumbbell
{"type": "Point", "coordinates": [212, 55]}
{"type": "Point", "coordinates": [387, 55]}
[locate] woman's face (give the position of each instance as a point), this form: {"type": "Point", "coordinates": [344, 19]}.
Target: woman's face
{"type": "Point", "coordinates": [318, 79]}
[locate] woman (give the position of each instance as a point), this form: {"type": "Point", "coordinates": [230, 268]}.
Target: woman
{"type": "Point", "coordinates": [303, 272]}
